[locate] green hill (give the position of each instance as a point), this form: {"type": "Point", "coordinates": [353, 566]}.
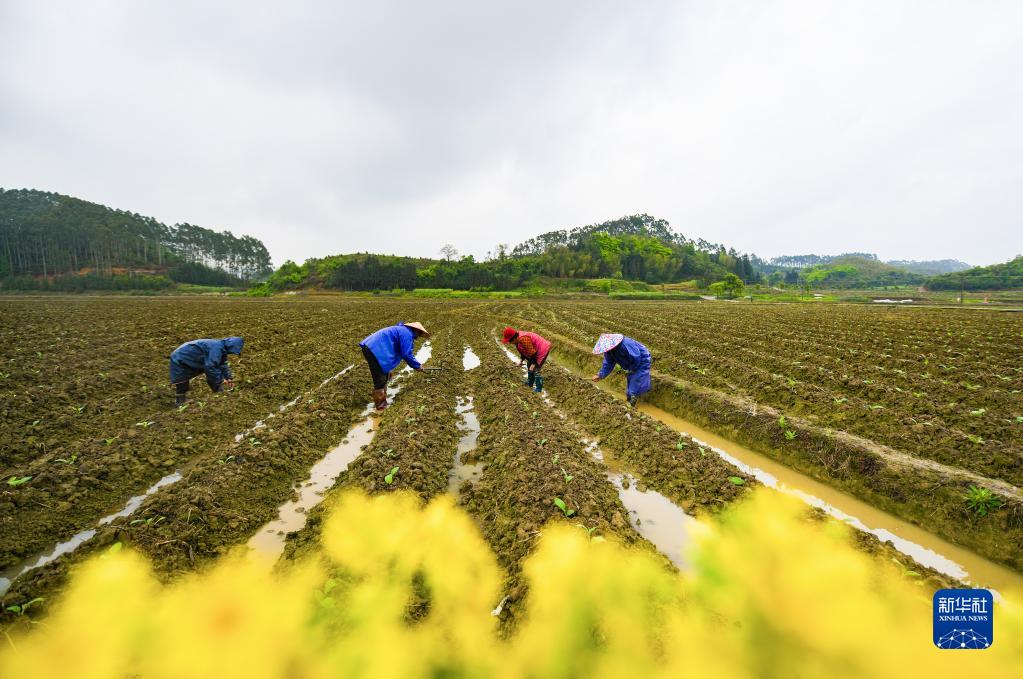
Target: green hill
{"type": "Point", "coordinates": [50, 240]}
{"type": "Point", "coordinates": [1007, 276]}
{"type": "Point", "coordinates": [855, 271]}
{"type": "Point", "coordinates": [634, 248]}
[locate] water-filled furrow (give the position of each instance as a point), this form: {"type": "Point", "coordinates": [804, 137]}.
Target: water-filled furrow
{"type": "Point", "coordinates": [268, 541]}
{"type": "Point", "coordinates": [462, 470]}
{"type": "Point", "coordinates": [14, 572]}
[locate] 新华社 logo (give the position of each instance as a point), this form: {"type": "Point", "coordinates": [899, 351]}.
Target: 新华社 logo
{"type": "Point", "coordinates": [963, 618]}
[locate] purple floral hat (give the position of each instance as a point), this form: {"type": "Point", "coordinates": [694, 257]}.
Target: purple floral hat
{"type": "Point", "coordinates": [607, 342]}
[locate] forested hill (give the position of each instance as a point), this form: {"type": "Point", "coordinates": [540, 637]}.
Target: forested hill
{"type": "Point", "coordinates": [634, 248]}
{"type": "Point", "coordinates": [1007, 276]}
{"type": "Point", "coordinates": [48, 234]}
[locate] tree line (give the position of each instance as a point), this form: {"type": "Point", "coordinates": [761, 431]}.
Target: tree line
{"type": "Point", "coordinates": [48, 234]}
{"type": "Point", "coordinates": [637, 248]}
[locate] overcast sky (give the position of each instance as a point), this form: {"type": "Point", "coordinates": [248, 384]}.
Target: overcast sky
{"type": "Point", "coordinates": [325, 127]}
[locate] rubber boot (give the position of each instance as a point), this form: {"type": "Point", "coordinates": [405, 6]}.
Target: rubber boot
{"type": "Point", "coordinates": [379, 399]}
{"type": "Point", "coordinates": [179, 400]}
{"type": "Point", "coordinates": [530, 378]}
{"type": "Point", "coordinates": [631, 400]}
{"type": "Point", "coordinates": [539, 384]}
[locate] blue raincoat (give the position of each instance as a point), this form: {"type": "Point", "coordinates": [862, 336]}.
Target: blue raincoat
{"type": "Point", "coordinates": [391, 345]}
{"type": "Point", "coordinates": [204, 356]}
{"type": "Point", "coordinates": [634, 358]}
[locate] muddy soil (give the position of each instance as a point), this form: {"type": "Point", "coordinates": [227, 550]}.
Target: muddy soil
{"type": "Point", "coordinates": [224, 498]}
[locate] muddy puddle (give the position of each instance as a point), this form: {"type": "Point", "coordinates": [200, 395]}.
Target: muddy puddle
{"type": "Point", "coordinates": [469, 424]}
{"type": "Point", "coordinates": [470, 360]}
{"type": "Point", "coordinates": [924, 547]}
{"type": "Point", "coordinates": [268, 541]}
{"type": "Point", "coordinates": [8, 576]}
{"type": "Point", "coordinates": [651, 514]}
{"type": "Point", "coordinates": [919, 544]}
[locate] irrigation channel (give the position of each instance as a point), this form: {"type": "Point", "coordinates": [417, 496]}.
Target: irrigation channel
{"type": "Point", "coordinates": [268, 541]}
{"type": "Point", "coordinates": [463, 470]}
{"type": "Point", "coordinates": [9, 575]}
{"type": "Point", "coordinates": [651, 514]}
{"type": "Point", "coordinates": [922, 546]}
{"type": "Point", "coordinates": [13, 573]}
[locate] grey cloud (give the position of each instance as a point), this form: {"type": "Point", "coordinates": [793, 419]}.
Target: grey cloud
{"type": "Point", "coordinates": [323, 127]}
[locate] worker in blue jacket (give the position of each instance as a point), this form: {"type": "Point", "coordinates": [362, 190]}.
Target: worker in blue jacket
{"type": "Point", "coordinates": [384, 350]}
{"type": "Point", "coordinates": [633, 357]}
{"type": "Point", "coordinates": [200, 356]}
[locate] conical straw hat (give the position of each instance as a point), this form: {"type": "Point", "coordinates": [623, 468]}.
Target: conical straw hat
{"type": "Point", "coordinates": [607, 342]}
{"type": "Point", "coordinates": [418, 326]}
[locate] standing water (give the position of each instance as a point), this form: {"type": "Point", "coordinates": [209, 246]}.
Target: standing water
{"type": "Point", "coordinates": [469, 359]}
{"type": "Point", "coordinates": [922, 546]}
{"type": "Point", "coordinates": [651, 514]}
{"type": "Point", "coordinates": [14, 572]}
{"type": "Point", "coordinates": [470, 424]}
{"type": "Point", "coordinates": [268, 541]}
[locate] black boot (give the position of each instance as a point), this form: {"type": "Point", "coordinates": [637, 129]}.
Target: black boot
{"type": "Point", "coordinates": [179, 400]}
{"type": "Point", "coordinates": [530, 378]}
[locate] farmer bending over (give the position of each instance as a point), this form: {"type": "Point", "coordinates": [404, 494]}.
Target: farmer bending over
{"type": "Point", "coordinates": [534, 351]}
{"type": "Point", "coordinates": [633, 357]}
{"type": "Point", "coordinates": [203, 356]}
{"type": "Point", "coordinates": [384, 350]}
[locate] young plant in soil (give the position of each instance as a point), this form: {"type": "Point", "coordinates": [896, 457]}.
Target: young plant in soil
{"type": "Point", "coordinates": [389, 479]}
{"type": "Point", "coordinates": [560, 504]}
{"type": "Point", "coordinates": [19, 609]}
{"type": "Point", "coordinates": [982, 500]}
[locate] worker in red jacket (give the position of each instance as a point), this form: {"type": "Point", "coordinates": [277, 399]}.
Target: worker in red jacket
{"type": "Point", "coordinates": [533, 349]}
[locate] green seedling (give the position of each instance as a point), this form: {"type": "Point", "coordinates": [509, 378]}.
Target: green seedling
{"type": "Point", "coordinates": [589, 533]}
{"type": "Point", "coordinates": [560, 504]}
{"type": "Point", "coordinates": [67, 460]}
{"type": "Point", "coordinates": [555, 457]}
{"type": "Point", "coordinates": [144, 423]}
{"type": "Point", "coordinates": [682, 443]}
{"type": "Point", "coordinates": [568, 477]}
{"type": "Point", "coordinates": [976, 439]}
{"type": "Point", "coordinates": [737, 480]}
{"type": "Point", "coordinates": [78, 409]}
{"type": "Point", "coordinates": [389, 479]}
{"type": "Point", "coordinates": [410, 420]}
{"type": "Point", "coordinates": [109, 441]}
{"type": "Point", "coordinates": [535, 413]}
{"type": "Point", "coordinates": [790, 435]}
{"type": "Point", "coordinates": [19, 609]}
{"type": "Point", "coordinates": [978, 412]}
{"type": "Point", "coordinates": [1019, 419]}
{"type": "Point", "coordinates": [254, 442]}
{"type": "Point", "coordinates": [225, 460]}
{"type": "Point", "coordinates": [839, 401]}
{"type": "Point", "coordinates": [703, 452]}
{"type": "Point", "coordinates": [782, 422]}
{"type": "Point", "coordinates": [421, 409]}
{"type": "Point", "coordinates": [112, 550]}
{"type": "Point", "coordinates": [151, 521]}
{"type": "Point", "coordinates": [541, 442]}
{"type": "Point", "coordinates": [982, 500]}
{"type": "Point", "coordinates": [182, 407]}
{"type": "Point", "coordinates": [18, 480]}
{"type": "Point", "coordinates": [35, 422]}
{"type": "Point", "coordinates": [389, 452]}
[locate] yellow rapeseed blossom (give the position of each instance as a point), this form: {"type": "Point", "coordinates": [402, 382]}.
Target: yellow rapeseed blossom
{"type": "Point", "coordinates": [405, 590]}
